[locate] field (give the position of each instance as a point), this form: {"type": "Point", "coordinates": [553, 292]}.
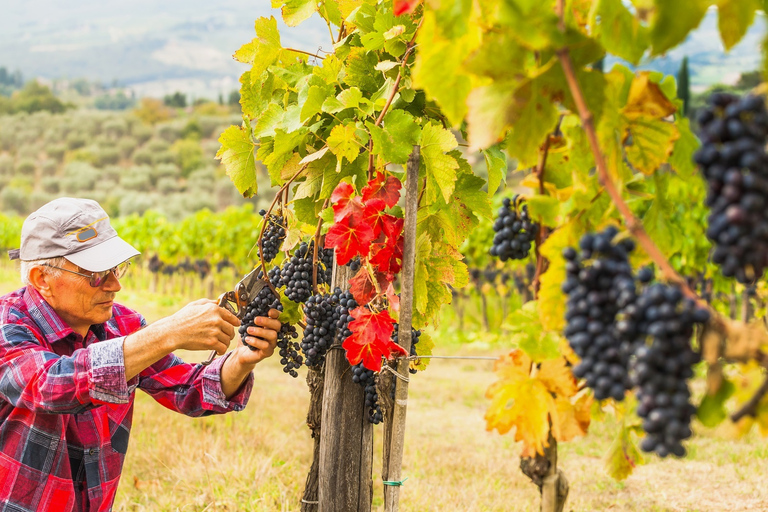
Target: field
{"type": "Point", "coordinates": [258, 460]}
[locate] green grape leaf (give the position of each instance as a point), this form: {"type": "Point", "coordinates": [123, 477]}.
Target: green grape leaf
{"type": "Point", "coordinates": [711, 411]}
{"type": "Point", "coordinates": [440, 168]}
{"type": "Point", "coordinates": [528, 335]}
{"type": "Point", "coordinates": [681, 159]}
{"type": "Point", "coordinates": [343, 142]}
{"type": "Point", "coordinates": [734, 18]}
{"type": "Point", "coordinates": [623, 455]}
{"type": "Point", "coordinates": [297, 11]}
{"type": "Point", "coordinates": [358, 70]}
{"type": "Point", "coordinates": [423, 348]}
{"type": "Point", "coordinates": [329, 71]}
{"type": "Point", "coordinates": [291, 313]}
{"type": "Point", "coordinates": [532, 117]}
{"type": "Point", "coordinates": [652, 143]}
{"type": "Point", "coordinates": [262, 51]}
{"type": "Point", "coordinates": [658, 219]}
{"type": "Point", "coordinates": [551, 297]}
{"type": "Point", "coordinates": [267, 121]}
{"type": "Point", "coordinates": [283, 147]}
{"type": "Point", "coordinates": [438, 68]}
{"type": "Point", "coordinates": [544, 209]}
{"type": "Point", "coordinates": [496, 164]}
{"type": "Point", "coordinates": [395, 139]}
{"type": "Point", "coordinates": [236, 154]}
{"type": "Point", "coordinates": [255, 96]}
{"type": "Point", "coordinates": [619, 31]}
{"type": "Point", "coordinates": [314, 103]}
{"type": "Point", "coordinates": [673, 21]}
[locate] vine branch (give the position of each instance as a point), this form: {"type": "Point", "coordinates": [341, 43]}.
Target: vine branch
{"type": "Point", "coordinates": [542, 234]}
{"type": "Point", "coordinates": [634, 225]}
{"type": "Point", "coordinates": [317, 244]}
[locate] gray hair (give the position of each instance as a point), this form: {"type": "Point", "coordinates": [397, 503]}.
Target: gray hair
{"type": "Point", "coordinates": [27, 266]}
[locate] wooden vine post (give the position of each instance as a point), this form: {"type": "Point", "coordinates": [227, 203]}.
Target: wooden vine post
{"type": "Point", "coordinates": [346, 437]}
{"type": "Point", "coordinates": [394, 439]}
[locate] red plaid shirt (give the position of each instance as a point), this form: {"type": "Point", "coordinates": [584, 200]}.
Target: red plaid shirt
{"type": "Point", "coordinates": [66, 408]}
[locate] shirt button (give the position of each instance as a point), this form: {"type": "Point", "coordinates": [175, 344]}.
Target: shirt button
{"type": "Point", "coordinates": [91, 451]}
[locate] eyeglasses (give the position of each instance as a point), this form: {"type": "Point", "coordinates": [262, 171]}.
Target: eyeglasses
{"type": "Point", "coordinates": [96, 279]}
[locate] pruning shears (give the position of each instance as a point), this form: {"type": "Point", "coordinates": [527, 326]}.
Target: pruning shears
{"type": "Point", "coordinates": [237, 300]}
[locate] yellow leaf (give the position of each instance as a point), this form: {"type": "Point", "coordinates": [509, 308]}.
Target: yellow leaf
{"type": "Point", "coordinates": [557, 377]}
{"type": "Point", "coordinates": [572, 417]}
{"type": "Point", "coordinates": [647, 99]}
{"type": "Point", "coordinates": [519, 401]}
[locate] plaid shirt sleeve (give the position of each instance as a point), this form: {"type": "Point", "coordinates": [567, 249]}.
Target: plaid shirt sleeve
{"type": "Point", "coordinates": [192, 389]}
{"type": "Point", "coordinates": [34, 378]}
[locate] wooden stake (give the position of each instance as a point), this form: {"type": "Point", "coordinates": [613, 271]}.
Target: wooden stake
{"type": "Point", "coordinates": [346, 437]}
{"type": "Point", "coordinates": [393, 451]}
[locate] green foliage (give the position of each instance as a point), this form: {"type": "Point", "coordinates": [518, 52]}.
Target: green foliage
{"type": "Point", "coordinates": [35, 97]}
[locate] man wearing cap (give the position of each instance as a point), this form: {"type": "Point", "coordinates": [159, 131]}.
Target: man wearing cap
{"type": "Point", "coordinates": [71, 359]}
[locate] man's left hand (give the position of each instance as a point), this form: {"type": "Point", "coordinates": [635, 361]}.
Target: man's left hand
{"type": "Point", "coordinates": [262, 337]}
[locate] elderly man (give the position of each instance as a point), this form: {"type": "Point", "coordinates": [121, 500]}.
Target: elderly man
{"type": "Point", "coordinates": [71, 359]}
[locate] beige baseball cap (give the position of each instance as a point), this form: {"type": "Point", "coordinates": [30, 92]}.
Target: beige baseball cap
{"type": "Point", "coordinates": [77, 229]}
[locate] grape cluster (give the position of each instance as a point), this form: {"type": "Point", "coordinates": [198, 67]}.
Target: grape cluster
{"type": "Point", "coordinates": [346, 304]}
{"type": "Point", "coordinates": [274, 234]}
{"type": "Point", "coordinates": [260, 306]}
{"type": "Point", "coordinates": [325, 266]}
{"type": "Point", "coordinates": [367, 378]}
{"type": "Point", "coordinates": [515, 232]}
{"type": "Point", "coordinates": [415, 335]}
{"type": "Point", "coordinates": [296, 274]}
{"type": "Point", "coordinates": [733, 160]}
{"type": "Point", "coordinates": [599, 283]}
{"type": "Point", "coordinates": [663, 364]}
{"type": "Point", "coordinates": [321, 317]}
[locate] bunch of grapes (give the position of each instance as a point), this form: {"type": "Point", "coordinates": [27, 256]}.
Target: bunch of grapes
{"type": "Point", "coordinates": [260, 306]}
{"type": "Point", "coordinates": [663, 364]}
{"type": "Point", "coordinates": [274, 234]}
{"type": "Point", "coordinates": [326, 264]}
{"type": "Point", "coordinates": [515, 232]}
{"type": "Point", "coordinates": [296, 274]}
{"type": "Point", "coordinates": [415, 335]}
{"type": "Point", "coordinates": [321, 318]}
{"type": "Point", "coordinates": [346, 304]}
{"type": "Point", "coordinates": [599, 283]}
{"type": "Point", "coordinates": [367, 378]}
{"type": "Point", "coordinates": [354, 264]}
{"type": "Point", "coordinates": [734, 162]}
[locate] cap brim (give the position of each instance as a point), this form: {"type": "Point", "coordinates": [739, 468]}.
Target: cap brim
{"type": "Point", "coordinates": [104, 256]}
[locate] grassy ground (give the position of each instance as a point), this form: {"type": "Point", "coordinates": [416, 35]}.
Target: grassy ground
{"type": "Point", "coordinates": [257, 460]}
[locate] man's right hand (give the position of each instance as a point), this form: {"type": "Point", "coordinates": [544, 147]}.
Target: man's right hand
{"type": "Point", "coordinates": [202, 325]}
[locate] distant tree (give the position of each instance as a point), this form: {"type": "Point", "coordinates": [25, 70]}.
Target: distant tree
{"type": "Point", "coordinates": [35, 97]}
{"type": "Point", "coordinates": [116, 101]}
{"type": "Point", "coordinates": [221, 99]}
{"type": "Point", "coordinates": [234, 98]}
{"type": "Point", "coordinates": [175, 100]}
{"type": "Point", "coordinates": [152, 111]}
{"type": "Point", "coordinates": [749, 80]}
{"type": "Point", "coordinates": [684, 86]}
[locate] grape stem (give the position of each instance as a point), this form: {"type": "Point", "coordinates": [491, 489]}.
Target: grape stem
{"type": "Point", "coordinates": [304, 52]}
{"type": "Point", "coordinates": [317, 244]}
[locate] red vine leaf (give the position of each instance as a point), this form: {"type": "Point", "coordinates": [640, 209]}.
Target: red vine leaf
{"type": "Point", "coordinates": [351, 238]}
{"type": "Point", "coordinates": [371, 338]}
{"type": "Point", "coordinates": [374, 216]}
{"type": "Point", "coordinates": [405, 6]}
{"type": "Point", "coordinates": [388, 256]}
{"type": "Point", "coordinates": [383, 187]}
{"type": "Point", "coordinates": [344, 205]}
{"type": "Point", "coordinates": [362, 287]}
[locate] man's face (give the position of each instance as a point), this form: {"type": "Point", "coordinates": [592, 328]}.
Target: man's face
{"type": "Point", "coordinates": [78, 303]}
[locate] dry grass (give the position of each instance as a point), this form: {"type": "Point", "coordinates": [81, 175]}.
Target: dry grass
{"type": "Point", "coordinates": [257, 460]}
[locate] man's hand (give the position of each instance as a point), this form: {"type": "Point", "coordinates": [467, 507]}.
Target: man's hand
{"type": "Point", "coordinates": [202, 325]}
{"type": "Point", "coordinates": [262, 337]}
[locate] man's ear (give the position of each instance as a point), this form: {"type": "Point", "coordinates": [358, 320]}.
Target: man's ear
{"type": "Point", "coordinates": [40, 281]}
